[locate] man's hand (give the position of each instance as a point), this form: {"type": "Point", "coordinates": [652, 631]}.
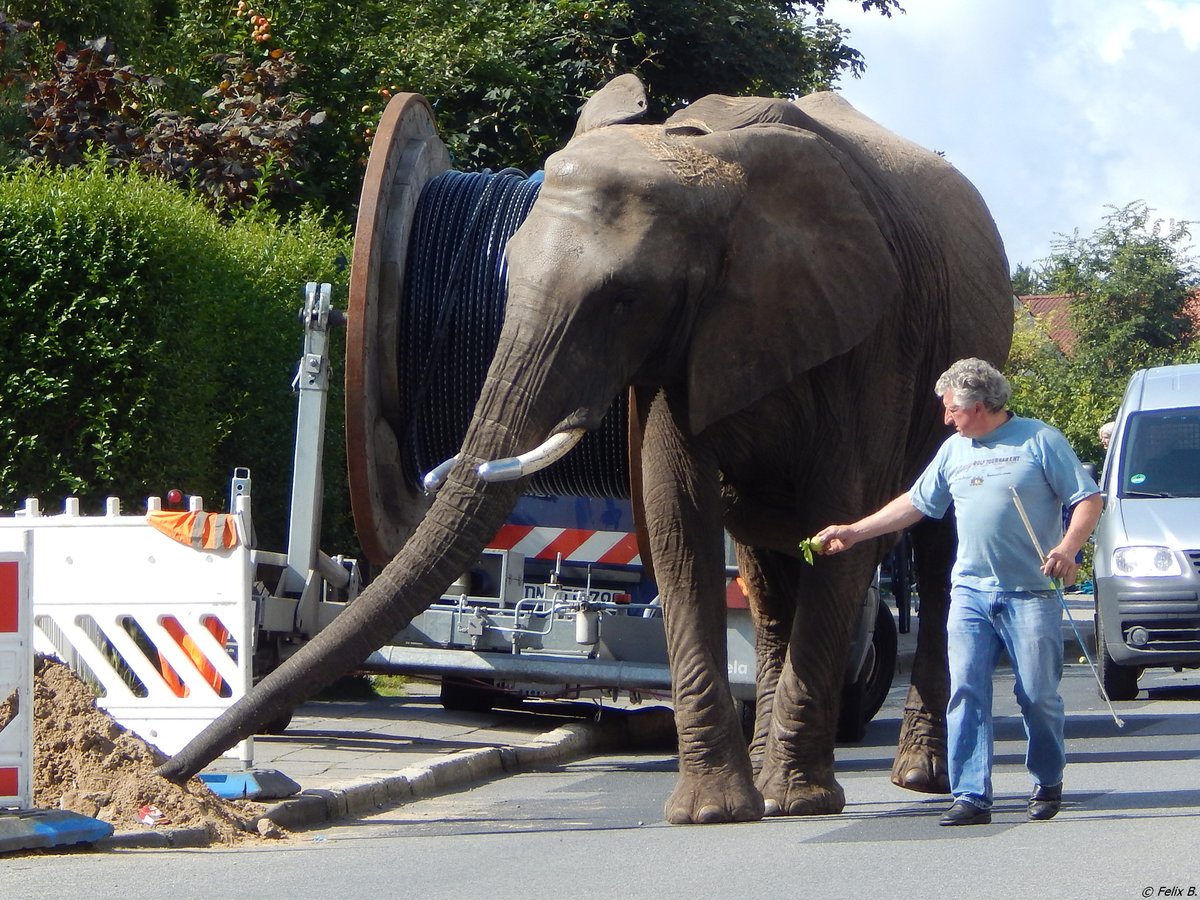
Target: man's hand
{"type": "Point", "coordinates": [835, 539]}
{"type": "Point", "coordinates": [1059, 565]}
{"type": "Point", "coordinates": [1060, 561]}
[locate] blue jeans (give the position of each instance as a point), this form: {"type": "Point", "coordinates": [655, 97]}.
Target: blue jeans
{"type": "Point", "coordinates": [1029, 627]}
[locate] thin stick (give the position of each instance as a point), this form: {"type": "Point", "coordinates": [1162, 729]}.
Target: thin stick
{"type": "Point", "coordinates": [1061, 599]}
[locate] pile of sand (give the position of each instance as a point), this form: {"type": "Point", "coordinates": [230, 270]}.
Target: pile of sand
{"type": "Point", "coordinates": [84, 761]}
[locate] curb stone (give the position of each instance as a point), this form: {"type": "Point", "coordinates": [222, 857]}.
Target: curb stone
{"type": "Point", "coordinates": [650, 727]}
{"type": "Point", "coordinates": [163, 838]}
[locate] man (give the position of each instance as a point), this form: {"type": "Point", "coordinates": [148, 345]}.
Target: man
{"type": "Point", "coordinates": [1002, 596]}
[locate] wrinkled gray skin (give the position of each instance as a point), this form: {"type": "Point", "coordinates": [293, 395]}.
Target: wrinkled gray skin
{"type": "Point", "coordinates": [781, 284]}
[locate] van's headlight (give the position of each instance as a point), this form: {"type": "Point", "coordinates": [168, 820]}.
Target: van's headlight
{"type": "Point", "coordinates": [1144, 562]}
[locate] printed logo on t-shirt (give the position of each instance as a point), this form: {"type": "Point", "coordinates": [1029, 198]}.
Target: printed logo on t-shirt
{"type": "Point", "coordinates": [994, 465]}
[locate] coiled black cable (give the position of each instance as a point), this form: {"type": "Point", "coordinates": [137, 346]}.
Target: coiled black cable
{"type": "Point", "coordinates": [451, 312]}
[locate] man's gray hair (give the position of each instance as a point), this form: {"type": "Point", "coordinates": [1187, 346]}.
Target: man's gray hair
{"type": "Point", "coordinates": [975, 381]}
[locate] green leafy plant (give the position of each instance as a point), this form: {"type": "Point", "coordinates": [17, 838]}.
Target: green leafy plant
{"type": "Point", "coordinates": [810, 547]}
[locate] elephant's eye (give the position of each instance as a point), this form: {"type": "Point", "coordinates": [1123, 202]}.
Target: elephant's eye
{"type": "Point", "coordinates": [621, 304]}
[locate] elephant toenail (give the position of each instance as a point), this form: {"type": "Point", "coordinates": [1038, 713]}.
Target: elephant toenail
{"type": "Point", "coordinates": [710, 815]}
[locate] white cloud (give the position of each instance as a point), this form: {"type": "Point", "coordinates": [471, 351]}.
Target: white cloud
{"type": "Point", "coordinates": [1053, 108]}
{"type": "Point", "coordinates": [1180, 15]}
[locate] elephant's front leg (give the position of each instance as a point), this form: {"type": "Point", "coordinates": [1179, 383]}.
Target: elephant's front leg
{"type": "Point", "coordinates": [797, 775]}
{"type": "Point", "coordinates": [683, 518]}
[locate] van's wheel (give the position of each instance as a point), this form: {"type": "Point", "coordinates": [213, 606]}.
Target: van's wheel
{"type": "Point", "coordinates": [864, 698]}
{"type": "Point", "coordinates": [464, 696]}
{"type": "Point", "coordinates": [1120, 682]}
{"type": "Point", "coordinates": [852, 727]}
{"type": "Point", "coordinates": [876, 689]}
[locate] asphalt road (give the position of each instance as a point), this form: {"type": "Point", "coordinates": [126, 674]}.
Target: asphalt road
{"type": "Point", "coordinates": [594, 828]}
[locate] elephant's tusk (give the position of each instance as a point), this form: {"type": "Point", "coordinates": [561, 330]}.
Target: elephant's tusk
{"type": "Point", "coordinates": [555, 447]}
{"type": "Point", "coordinates": [434, 477]}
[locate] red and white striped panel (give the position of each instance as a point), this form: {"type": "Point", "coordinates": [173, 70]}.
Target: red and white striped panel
{"type": "Point", "coordinates": [16, 660]}
{"type": "Point", "coordinates": [613, 548]}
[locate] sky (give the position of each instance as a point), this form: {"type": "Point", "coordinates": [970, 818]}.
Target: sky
{"type": "Point", "coordinates": [1054, 109]}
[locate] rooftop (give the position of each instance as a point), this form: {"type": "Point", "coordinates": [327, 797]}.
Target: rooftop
{"type": "Point", "coordinates": [1052, 312]}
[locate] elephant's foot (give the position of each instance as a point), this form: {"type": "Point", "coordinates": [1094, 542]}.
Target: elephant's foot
{"type": "Point", "coordinates": [713, 798]}
{"type": "Point", "coordinates": [799, 794]}
{"type": "Point", "coordinates": [921, 753]}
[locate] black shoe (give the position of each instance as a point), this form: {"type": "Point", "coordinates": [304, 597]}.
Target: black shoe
{"type": "Point", "coordinates": [1045, 801]}
{"type": "Point", "coordinates": [964, 812]}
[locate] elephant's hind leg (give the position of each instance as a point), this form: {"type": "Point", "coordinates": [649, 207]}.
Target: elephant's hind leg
{"type": "Point", "coordinates": [921, 758]}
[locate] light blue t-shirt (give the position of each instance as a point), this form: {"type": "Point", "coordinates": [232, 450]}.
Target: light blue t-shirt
{"type": "Point", "coordinates": [995, 552]}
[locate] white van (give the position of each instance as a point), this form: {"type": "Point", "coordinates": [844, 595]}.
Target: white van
{"type": "Point", "coordinates": [1147, 560]}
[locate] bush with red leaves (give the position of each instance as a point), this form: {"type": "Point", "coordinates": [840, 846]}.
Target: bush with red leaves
{"type": "Point", "coordinates": [249, 146]}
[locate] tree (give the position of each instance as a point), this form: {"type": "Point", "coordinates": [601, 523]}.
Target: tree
{"type": "Point", "coordinates": [1024, 281]}
{"type": "Point", "coordinates": [506, 77]}
{"type": "Point", "coordinates": [1130, 283]}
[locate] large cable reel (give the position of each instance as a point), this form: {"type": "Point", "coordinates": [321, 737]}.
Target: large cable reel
{"type": "Point", "coordinates": [427, 294]}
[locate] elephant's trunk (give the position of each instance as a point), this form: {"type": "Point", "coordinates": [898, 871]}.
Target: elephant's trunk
{"type": "Point", "coordinates": [449, 539]}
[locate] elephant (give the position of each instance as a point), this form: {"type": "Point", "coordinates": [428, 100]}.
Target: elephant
{"type": "Point", "coordinates": [778, 285]}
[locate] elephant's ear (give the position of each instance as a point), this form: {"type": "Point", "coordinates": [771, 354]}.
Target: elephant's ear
{"type": "Point", "coordinates": [619, 102]}
{"type": "Point", "coordinates": [808, 273]}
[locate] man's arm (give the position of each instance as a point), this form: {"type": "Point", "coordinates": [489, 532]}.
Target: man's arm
{"type": "Point", "coordinates": [896, 516]}
{"type": "Point", "coordinates": [1060, 560]}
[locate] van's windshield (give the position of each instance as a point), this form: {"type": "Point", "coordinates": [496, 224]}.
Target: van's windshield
{"type": "Point", "coordinates": [1160, 456]}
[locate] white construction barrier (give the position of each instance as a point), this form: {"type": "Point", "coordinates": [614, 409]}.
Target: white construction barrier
{"type": "Point", "coordinates": [163, 631]}
{"type": "Point", "coordinates": [16, 676]}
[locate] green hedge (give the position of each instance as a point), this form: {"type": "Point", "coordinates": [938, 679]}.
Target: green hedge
{"type": "Point", "coordinates": [146, 345]}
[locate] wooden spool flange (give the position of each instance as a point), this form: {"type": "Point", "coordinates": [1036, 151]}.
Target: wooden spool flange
{"type": "Point", "coordinates": [405, 155]}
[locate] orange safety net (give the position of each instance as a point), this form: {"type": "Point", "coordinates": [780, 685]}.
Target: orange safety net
{"type": "Point", "coordinates": [202, 530]}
